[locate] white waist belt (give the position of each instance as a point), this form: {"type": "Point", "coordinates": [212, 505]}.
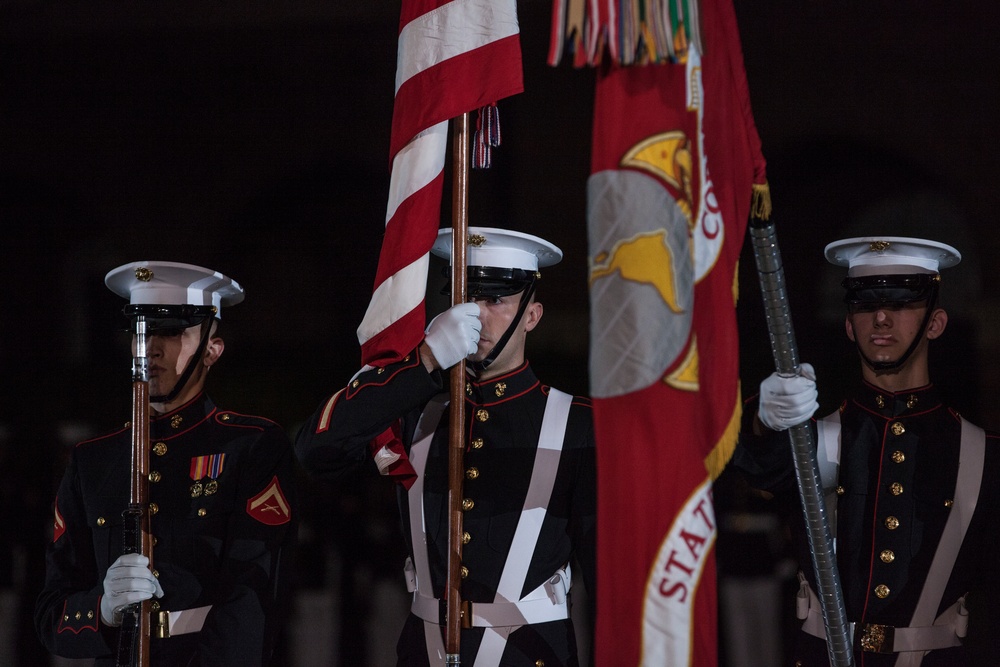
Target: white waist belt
{"type": "Point", "coordinates": [171, 623]}
{"type": "Point", "coordinates": [947, 631]}
{"type": "Point", "coordinates": [494, 614]}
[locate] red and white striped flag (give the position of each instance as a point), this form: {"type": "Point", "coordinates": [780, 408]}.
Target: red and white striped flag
{"type": "Point", "coordinates": [453, 56]}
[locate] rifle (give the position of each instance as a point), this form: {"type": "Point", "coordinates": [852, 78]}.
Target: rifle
{"type": "Point", "coordinates": [456, 426]}
{"type": "Point", "coordinates": [133, 637]}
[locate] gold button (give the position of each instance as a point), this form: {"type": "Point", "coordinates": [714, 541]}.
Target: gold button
{"type": "Point", "coordinates": [153, 508]}
{"type": "Point", "coordinates": [155, 605]}
{"type": "Point", "coordinates": [477, 443]}
{"type": "Point", "coordinates": [202, 512]}
{"type": "Point", "coordinates": [465, 572]}
{"type": "Point", "coordinates": [467, 504]}
{"type": "Point", "coordinates": [160, 448]}
{"type": "Point", "coordinates": [840, 490]}
{"type": "Point", "coordinates": [896, 488]}
{"type": "Point", "coordinates": [468, 388]}
{"type": "Point", "coordinates": [500, 388]}
{"type": "Point", "coordinates": [66, 617]}
{"type": "Point", "coordinates": [539, 663]}
{"type": "Point", "coordinates": [156, 573]}
{"type": "Point", "coordinates": [898, 456]}
{"type": "Point", "coordinates": [155, 477]}
{"type": "Point", "coordinates": [101, 521]}
{"type": "Point", "coordinates": [880, 401]}
{"type": "Point", "coordinates": [887, 556]}
{"type": "Point", "coordinates": [892, 523]}
{"type": "Point", "coordinates": [406, 358]}
{"type": "Point", "coordinates": [78, 616]}
{"type": "Point", "coordinates": [153, 538]}
{"type": "Point", "coordinates": [466, 538]}
{"type": "Point", "coordinates": [90, 614]}
{"type": "Point", "coordinates": [356, 383]}
{"type": "Point", "coordinates": [897, 428]}
{"type": "Point", "coordinates": [472, 473]}
{"type": "Point", "coordinates": [911, 401]}
{"type": "Point", "coordinates": [224, 418]}
{"type": "Point", "coordinates": [482, 414]}
{"type": "Point", "coordinates": [882, 591]}
{"type": "Point", "coordinates": [380, 371]}
{"type": "Point", "coordinates": [949, 502]}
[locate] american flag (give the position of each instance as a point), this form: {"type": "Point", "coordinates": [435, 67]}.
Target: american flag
{"type": "Point", "coordinates": [453, 56]}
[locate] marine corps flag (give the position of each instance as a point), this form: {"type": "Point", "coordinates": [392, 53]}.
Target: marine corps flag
{"type": "Point", "coordinates": [675, 161]}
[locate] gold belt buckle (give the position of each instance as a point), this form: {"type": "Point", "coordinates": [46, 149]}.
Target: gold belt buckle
{"type": "Point", "coordinates": [877, 638]}
{"type": "Point", "coordinates": [162, 624]}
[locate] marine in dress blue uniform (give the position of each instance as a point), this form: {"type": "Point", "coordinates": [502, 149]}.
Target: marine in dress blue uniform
{"type": "Point", "coordinates": [910, 484]}
{"type": "Point", "coordinates": [222, 506]}
{"type": "Point", "coordinates": [394, 421]}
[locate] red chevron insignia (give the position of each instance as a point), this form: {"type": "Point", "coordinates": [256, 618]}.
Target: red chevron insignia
{"type": "Point", "coordinates": [269, 506]}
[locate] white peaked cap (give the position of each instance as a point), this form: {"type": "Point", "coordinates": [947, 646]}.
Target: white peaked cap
{"type": "Point", "coordinates": [173, 284]}
{"type": "Point", "coordinates": [891, 255]}
{"type": "Point", "coordinates": [500, 248]}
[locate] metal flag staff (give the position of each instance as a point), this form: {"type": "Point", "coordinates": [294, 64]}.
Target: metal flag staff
{"type": "Point", "coordinates": [133, 638]}
{"type": "Point", "coordinates": [456, 426]}
{"type": "Point", "coordinates": [803, 438]}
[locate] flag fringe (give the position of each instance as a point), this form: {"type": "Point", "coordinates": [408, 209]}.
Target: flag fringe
{"type": "Point", "coordinates": [717, 459]}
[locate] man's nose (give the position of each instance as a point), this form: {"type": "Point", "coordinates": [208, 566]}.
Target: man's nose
{"type": "Point", "coordinates": [881, 316]}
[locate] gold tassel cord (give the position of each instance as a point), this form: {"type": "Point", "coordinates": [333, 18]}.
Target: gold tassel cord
{"type": "Point", "coordinates": [760, 203]}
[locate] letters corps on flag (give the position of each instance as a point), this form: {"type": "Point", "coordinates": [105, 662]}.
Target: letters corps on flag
{"type": "Point", "coordinates": [675, 157]}
{"type": "Point", "coordinates": [453, 57]}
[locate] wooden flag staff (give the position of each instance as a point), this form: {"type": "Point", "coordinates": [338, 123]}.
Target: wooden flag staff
{"type": "Point", "coordinates": [456, 432]}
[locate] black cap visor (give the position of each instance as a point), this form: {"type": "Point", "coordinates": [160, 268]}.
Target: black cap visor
{"type": "Point", "coordinates": [488, 281]}
{"type": "Point", "coordinates": [887, 291]}
{"type": "Point", "coordinates": [161, 318]}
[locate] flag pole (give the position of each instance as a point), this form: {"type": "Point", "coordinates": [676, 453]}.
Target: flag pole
{"type": "Point", "coordinates": [456, 432]}
{"type": "Point", "coordinates": [803, 438]}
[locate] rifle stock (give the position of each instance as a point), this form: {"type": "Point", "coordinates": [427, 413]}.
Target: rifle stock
{"type": "Point", "coordinates": [134, 636]}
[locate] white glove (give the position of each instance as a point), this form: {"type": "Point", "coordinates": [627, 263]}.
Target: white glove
{"type": "Point", "coordinates": [454, 334]}
{"type": "Point", "coordinates": [129, 580]}
{"type": "Point", "coordinates": [788, 401]}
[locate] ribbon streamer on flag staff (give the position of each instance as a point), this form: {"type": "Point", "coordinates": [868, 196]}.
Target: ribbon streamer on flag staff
{"type": "Point", "coordinates": [628, 32]}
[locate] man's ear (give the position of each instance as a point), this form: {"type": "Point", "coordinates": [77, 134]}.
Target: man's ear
{"type": "Point", "coordinates": [213, 350]}
{"type": "Point", "coordinates": [532, 314]}
{"type": "Point", "coordinates": [937, 323]}
{"type": "Point", "coordinates": [849, 328]}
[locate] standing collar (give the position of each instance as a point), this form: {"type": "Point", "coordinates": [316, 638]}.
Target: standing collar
{"type": "Point", "coordinates": [183, 418]}
{"type": "Point", "coordinates": [501, 388]}
{"type": "Point", "coordinates": [897, 404]}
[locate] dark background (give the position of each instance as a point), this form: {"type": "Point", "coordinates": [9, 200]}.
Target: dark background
{"type": "Point", "coordinates": [252, 138]}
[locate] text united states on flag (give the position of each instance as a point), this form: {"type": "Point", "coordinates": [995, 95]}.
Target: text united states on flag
{"type": "Point", "coordinates": [453, 56]}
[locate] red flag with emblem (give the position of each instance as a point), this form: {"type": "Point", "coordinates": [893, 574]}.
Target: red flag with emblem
{"type": "Point", "coordinates": [454, 56]}
{"type": "Point", "coordinates": [675, 160]}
